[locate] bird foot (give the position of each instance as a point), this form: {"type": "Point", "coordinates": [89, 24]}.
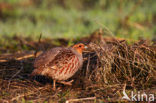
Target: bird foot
{"type": "Point", "coordinates": [56, 89]}
{"type": "Point", "coordinates": [66, 83]}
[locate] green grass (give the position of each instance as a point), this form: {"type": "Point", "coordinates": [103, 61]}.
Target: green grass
{"type": "Point", "coordinates": [56, 21]}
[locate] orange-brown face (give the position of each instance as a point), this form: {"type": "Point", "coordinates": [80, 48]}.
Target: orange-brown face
{"type": "Point", "coordinates": [79, 47]}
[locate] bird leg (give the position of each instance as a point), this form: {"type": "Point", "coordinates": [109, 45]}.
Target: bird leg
{"type": "Point", "coordinates": [54, 84]}
{"type": "Point", "coordinates": [66, 83]}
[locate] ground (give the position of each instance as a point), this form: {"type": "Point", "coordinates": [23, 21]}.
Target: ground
{"type": "Point", "coordinates": [111, 65]}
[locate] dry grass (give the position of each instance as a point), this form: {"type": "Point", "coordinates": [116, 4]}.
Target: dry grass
{"type": "Point", "coordinates": [109, 65]}
{"type": "Point", "coordinates": [118, 64]}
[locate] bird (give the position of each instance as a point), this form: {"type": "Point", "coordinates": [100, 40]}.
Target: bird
{"type": "Point", "coordinates": [59, 63]}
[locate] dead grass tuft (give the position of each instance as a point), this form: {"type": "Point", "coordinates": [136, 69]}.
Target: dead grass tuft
{"type": "Point", "coordinates": [116, 63]}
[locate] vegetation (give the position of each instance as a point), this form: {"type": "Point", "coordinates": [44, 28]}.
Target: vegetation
{"type": "Point", "coordinates": [121, 57]}
{"type": "Point", "coordinates": [64, 18]}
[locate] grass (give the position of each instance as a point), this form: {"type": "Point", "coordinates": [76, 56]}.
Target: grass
{"type": "Point", "coordinates": [121, 55]}
{"type": "Point", "coordinates": [110, 66]}
{"type": "Point", "coordinates": [56, 21]}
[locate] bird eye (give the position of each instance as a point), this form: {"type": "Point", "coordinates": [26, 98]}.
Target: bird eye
{"type": "Point", "coordinates": [80, 46]}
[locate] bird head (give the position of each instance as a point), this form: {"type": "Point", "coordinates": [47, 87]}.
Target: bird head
{"type": "Point", "coordinates": [79, 47]}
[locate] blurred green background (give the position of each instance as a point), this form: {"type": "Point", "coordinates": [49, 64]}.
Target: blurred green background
{"type": "Point", "coordinates": [132, 19]}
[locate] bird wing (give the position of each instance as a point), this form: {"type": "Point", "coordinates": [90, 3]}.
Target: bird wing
{"type": "Point", "coordinates": [46, 57]}
{"type": "Point", "coordinates": [63, 58]}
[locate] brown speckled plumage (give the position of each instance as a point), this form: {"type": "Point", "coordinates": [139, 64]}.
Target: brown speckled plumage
{"type": "Point", "coordinates": [59, 63]}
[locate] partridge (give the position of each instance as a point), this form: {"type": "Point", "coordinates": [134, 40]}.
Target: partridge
{"type": "Point", "coordinates": [59, 63]}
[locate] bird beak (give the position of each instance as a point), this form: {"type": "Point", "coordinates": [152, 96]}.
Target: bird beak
{"type": "Point", "coordinates": [85, 47]}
